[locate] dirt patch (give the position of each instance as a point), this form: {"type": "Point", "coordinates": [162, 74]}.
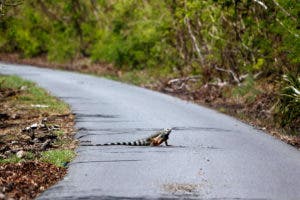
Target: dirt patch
{"type": "Point", "coordinates": [26, 180]}
{"type": "Point", "coordinates": [180, 189]}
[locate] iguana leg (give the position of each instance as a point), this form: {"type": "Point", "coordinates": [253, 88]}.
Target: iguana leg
{"type": "Point", "coordinates": [156, 142]}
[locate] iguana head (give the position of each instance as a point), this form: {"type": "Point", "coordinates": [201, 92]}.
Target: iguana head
{"type": "Point", "coordinates": [165, 133]}
{"type": "Point", "coordinates": [167, 130]}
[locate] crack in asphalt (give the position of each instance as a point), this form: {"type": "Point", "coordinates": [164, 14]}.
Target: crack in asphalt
{"type": "Point", "coordinates": [179, 197]}
{"type": "Point", "coordinates": [102, 161]}
{"type": "Point", "coordinates": [133, 130]}
{"type": "Point", "coordinates": [81, 115]}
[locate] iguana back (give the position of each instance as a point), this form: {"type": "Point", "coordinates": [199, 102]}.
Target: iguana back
{"type": "Point", "coordinates": [154, 140]}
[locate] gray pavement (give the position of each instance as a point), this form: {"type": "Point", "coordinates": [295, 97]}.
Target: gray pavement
{"type": "Point", "coordinates": [213, 156]}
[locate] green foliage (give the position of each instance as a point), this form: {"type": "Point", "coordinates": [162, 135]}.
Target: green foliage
{"type": "Point", "coordinates": [188, 37]}
{"type": "Point", "coordinates": [241, 36]}
{"type": "Point", "coordinates": [259, 64]}
{"type": "Point", "coordinates": [246, 90]}
{"type": "Point", "coordinates": [57, 157]}
{"type": "Point", "coordinates": [134, 38]}
{"type": "Point", "coordinates": [59, 133]}
{"type": "Point", "coordinates": [63, 46]}
{"type": "Point", "coordinates": [289, 100]}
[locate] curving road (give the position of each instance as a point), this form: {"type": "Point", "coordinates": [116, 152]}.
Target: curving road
{"type": "Point", "coordinates": [213, 156]}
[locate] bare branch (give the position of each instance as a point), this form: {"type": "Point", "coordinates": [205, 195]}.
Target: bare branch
{"type": "Point", "coordinates": [217, 83]}
{"type": "Point", "coordinates": [184, 79]}
{"type": "Point", "coordinates": [291, 32]}
{"type": "Point", "coordinates": [284, 10]}
{"type": "Point", "coordinates": [194, 40]}
{"type": "Point", "coordinates": [261, 4]}
{"type": "Point", "coordinates": [234, 76]}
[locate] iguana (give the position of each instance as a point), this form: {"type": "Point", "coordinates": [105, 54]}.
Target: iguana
{"type": "Point", "coordinates": [154, 140]}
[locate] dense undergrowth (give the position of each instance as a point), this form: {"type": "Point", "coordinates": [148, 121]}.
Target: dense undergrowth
{"type": "Point", "coordinates": [248, 46]}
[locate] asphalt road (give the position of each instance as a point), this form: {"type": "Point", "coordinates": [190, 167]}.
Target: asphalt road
{"type": "Point", "coordinates": [213, 156]}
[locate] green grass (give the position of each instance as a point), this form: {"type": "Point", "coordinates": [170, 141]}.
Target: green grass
{"type": "Point", "coordinates": [59, 133]}
{"type": "Point", "coordinates": [33, 95]}
{"type": "Point", "coordinates": [14, 159]}
{"type": "Point", "coordinates": [57, 157]}
{"type": "Point", "coordinates": [11, 159]}
{"type": "Point", "coordinates": [247, 90]}
{"type": "Point", "coordinates": [13, 82]}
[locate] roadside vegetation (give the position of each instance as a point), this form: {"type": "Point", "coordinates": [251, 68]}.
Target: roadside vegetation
{"type": "Point", "coordinates": [36, 139]}
{"type": "Point", "coordinates": [240, 57]}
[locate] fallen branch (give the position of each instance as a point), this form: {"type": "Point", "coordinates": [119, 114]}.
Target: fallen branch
{"type": "Point", "coordinates": [235, 77]}
{"type": "Point", "coordinates": [217, 83]}
{"type": "Point", "coordinates": [184, 79]}
{"type": "Point", "coordinates": [261, 4]}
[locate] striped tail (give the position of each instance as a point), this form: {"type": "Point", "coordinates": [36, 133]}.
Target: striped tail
{"type": "Point", "coordinates": [134, 143]}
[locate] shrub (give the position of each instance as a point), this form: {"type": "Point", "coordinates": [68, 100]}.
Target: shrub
{"type": "Point", "coordinates": [288, 111]}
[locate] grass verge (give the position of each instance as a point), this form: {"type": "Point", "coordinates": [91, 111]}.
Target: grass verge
{"type": "Point", "coordinates": [36, 137]}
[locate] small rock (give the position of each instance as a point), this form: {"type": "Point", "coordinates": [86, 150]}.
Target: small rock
{"type": "Point", "coordinates": [44, 120]}
{"type": "Point", "coordinates": [24, 87]}
{"type": "Point", "coordinates": [7, 153]}
{"type": "Point", "coordinates": [15, 116]}
{"type": "Point", "coordinates": [36, 140]}
{"type": "Point", "coordinates": [34, 126]}
{"type": "Point", "coordinates": [42, 188]}
{"type": "Point", "coordinates": [20, 154]}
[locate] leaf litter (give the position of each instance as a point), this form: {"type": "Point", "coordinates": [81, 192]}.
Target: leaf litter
{"type": "Point", "coordinates": [25, 133]}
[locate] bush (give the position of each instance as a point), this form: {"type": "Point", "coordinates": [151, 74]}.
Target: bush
{"type": "Point", "coordinates": [289, 101]}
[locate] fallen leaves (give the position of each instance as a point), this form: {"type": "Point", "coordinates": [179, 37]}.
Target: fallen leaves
{"type": "Point", "coordinates": [27, 131]}
{"type": "Point", "coordinates": [27, 179]}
